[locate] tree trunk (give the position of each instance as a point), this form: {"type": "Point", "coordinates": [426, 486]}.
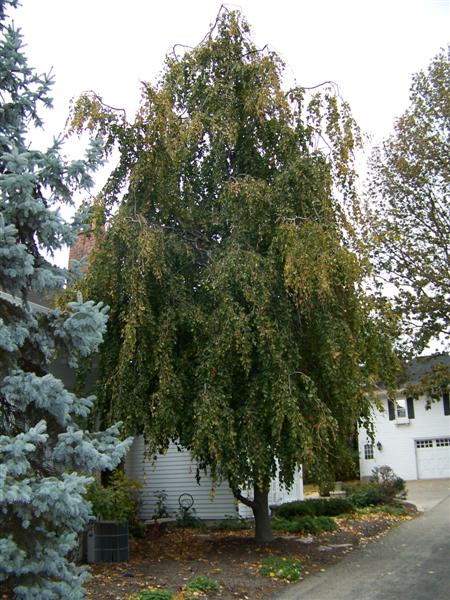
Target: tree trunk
{"type": "Point", "coordinates": [263, 527]}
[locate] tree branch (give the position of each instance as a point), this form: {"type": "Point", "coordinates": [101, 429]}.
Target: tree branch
{"type": "Point", "coordinates": [238, 495]}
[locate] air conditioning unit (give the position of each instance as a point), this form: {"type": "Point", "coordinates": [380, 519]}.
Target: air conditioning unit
{"type": "Point", "coordinates": [107, 542]}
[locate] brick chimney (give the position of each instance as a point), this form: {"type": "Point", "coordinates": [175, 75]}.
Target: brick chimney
{"type": "Point", "coordinates": [83, 247]}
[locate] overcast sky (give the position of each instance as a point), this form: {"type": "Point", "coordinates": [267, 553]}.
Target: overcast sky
{"type": "Point", "coordinates": [370, 48]}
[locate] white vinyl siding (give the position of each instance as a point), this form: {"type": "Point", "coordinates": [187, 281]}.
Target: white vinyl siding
{"type": "Point", "coordinates": [174, 472]}
{"type": "Point", "coordinates": [397, 447]}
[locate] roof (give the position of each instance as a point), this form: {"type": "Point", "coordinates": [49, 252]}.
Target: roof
{"type": "Point", "coordinates": [418, 367]}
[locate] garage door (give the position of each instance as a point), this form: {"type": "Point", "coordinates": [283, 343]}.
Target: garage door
{"type": "Point", "coordinates": [433, 458]}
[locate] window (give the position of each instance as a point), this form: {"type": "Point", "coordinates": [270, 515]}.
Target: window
{"type": "Point", "coordinates": [440, 443]}
{"type": "Point", "coordinates": [424, 443]}
{"type": "Point", "coordinates": [368, 451]}
{"type": "Point", "coordinates": [400, 409]}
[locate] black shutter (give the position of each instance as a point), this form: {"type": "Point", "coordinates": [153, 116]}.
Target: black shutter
{"type": "Point", "coordinates": [410, 407]}
{"type": "Point", "coordinates": [391, 410]}
{"type": "Point", "coordinates": [446, 402]}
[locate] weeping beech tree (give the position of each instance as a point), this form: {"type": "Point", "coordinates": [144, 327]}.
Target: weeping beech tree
{"type": "Point", "coordinates": [239, 323]}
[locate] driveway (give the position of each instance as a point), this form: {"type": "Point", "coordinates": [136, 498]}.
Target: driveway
{"type": "Point", "coordinates": [408, 563]}
{"type": "Point", "coordinates": [427, 493]}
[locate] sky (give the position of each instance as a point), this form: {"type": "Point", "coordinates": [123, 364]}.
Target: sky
{"type": "Point", "coordinates": [369, 48]}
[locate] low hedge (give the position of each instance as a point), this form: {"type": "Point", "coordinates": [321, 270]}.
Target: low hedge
{"type": "Point", "coordinates": [305, 524]}
{"type": "Point", "coordinates": [315, 508]}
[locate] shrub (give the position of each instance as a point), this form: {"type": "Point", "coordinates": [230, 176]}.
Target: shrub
{"type": "Point", "coordinates": [202, 584]}
{"type": "Point", "coordinates": [305, 524]}
{"type": "Point", "coordinates": [118, 501]}
{"type": "Point", "coordinates": [382, 488]}
{"type": "Point", "coordinates": [368, 494]}
{"type": "Point", "coordinates": [392, 483]}
{"type": "Point", "coordinates": [320, 507]}
{"type": "Point", "coordinates": [187, 519]}
{"type": "Point", "coordinates": [298, 508]}
{"type": "Point", "coordinates": [325, 487]}
{"type": "Point", "coordinates": [160, 511]}
{"type": "Point", "coordinates": [281, 568]}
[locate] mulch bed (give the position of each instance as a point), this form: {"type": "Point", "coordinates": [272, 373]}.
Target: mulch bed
{"type": "Point", "coordinates": [169, 559]}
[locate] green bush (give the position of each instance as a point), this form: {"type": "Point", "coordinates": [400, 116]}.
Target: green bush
{"type": "Point", "coordinates": [382, 488]}
{"type": "Point", "coordinates": [281, 568]}
{"type": "Point", "coordinates": [320, 507]}
{"type": "Point", "coordinates": [393, 485]}
{"type": "Point", "coordinates": [117, 501]}
{"type": "Point", "coordinates": [202, 584]}
{"type": "Point", "coordinates": [368, 494]}
{"type": "Point", "coordinates": [298, 508]}
{"type": "Point", "coordinates": [153, 595]}
{"type": "Point", "coordinates": [305, 524]}
{"type": "Point", "coordinates": [187, 519]}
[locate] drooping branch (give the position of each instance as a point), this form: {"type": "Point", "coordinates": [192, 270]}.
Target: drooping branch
{"type": "Point", "coordinates": [239, 496]}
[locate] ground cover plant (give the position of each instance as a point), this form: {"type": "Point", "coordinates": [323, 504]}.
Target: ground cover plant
{"type": "Point", "coordinates": [281, 567]}
{"type": "Point", "coordinates": [202, 584]}
{"type": "Point", "coordinates": [153, 595]}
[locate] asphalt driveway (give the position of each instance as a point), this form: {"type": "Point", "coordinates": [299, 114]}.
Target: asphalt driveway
{"type": "Point", "coordinates": [410, 562]}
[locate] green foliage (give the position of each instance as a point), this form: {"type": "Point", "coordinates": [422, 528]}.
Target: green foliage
{"type": "Point", "coordinates": [326, 486]}
{"type": "Point", "coordinates": [329, 507]}
{"type": "Point", "coordinates": [305, 524]}
{"type": "Point", "coordinates": [232, 523]}
{"type": "Point", "coordinates": [410, 183]}
{"type": "Point", "coordinates": [240, 322]}
{"type": "Point", "coordinates": [117, 501]}
{"type": "Point", "coordinates": [202, 584]}
{"type": "Point", "coordinates": [368, 494]}
{"type": "Point", "coordinates": [160, 511]}
{"type": "Point", "coordinates": [382, 489]}
{"type": "Point", "coordinates": [47, 455]}
{"type": "Point", "coordinates": [296, 508]}
{"type": "Point", "coordinates": [153, 595]}
{"type": "Point", "coordinates": [187, 519]}
{"type": "Point", "coordinates": [392, 484]}
{"type": "Point", "coordinates": [281, 568]}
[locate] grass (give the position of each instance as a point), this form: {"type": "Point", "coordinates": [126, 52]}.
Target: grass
{"type": "Point", "coordinates": [281, 568]}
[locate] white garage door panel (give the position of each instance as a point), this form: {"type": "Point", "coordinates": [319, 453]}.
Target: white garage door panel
{"type": "Point", "coordinates": [433, 458]}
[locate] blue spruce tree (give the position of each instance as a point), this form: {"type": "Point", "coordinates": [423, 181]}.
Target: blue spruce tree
{"type": "Point", "coordinates": [45, 454]}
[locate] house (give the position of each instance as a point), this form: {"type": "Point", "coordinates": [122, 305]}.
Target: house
{"type": "Point", "coordinates": [412, 433]}
{"type": "Point", "coordinates": [174, 473]}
